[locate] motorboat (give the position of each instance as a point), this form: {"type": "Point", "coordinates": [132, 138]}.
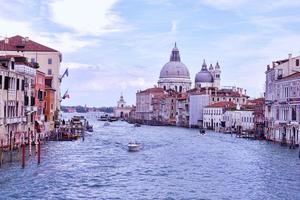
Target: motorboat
{"type": "Point", "coordinates": [112, 119]}
{"type": "Point", "coordinates": [133, 146]}
{"type": "Point", "coordinates": [202, 131]}
{"type": "Point", "coordinates": [89, 128]}
{"type": "Point", "coordinates": [137, 125]}
{"type": "Point", "coordinates": [103, 118]}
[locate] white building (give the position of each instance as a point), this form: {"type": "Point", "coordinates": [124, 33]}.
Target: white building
{"type": "Point", "coordinates": [122, 110]}
{"type": "Point", "coordinates": [174, 74]}
{"type": "Point", "coordinates": [213, 114]}
{"type": "Point", "coordinates": [282, 112]}
{"type": "Point", "coordinates": [239, 119]}
{"type": "Point", "coordinates": [197, 102]}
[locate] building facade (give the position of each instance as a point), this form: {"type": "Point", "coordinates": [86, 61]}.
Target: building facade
{"type": "Point", "coordinates": [122, 110]}
{"type": "Point", "coordinates": [282, 112]}
{"type": "Point", "coordinates": [49, 59]}
{"type": "Point", "coordinates": [17, 101]}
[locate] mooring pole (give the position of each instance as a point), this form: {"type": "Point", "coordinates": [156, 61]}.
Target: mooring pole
{"type": "Point", "coordinates": [30, 141]}
{"type": "Point", "coordinates": [1, 153]}
{"type": "Point", "coordinates": [23, 155]}
{"type": "Point", "coordinates": [39, 151]}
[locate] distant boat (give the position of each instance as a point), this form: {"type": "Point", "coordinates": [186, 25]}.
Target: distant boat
{"type": "Point", "coordinates": [112, 119]}
{"type": "Point", "coordinates": [133, 146]}
{"type": "Point", "coordinates": [137, 125]}
{"type": "Point", "coordinates": [103, 118]}
{"type": "Point", "coordinates": [202, 131]}
{"type": "Point", "coordinates": [89, 128]}
{"type": "Point", "coordinates": [106, 124]}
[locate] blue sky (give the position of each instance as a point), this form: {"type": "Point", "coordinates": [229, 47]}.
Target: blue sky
{"type": "Point", "coordinates": [119, 46]}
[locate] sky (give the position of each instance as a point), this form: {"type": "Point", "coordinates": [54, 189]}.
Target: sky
{"type": "Point", "coordinates": [115, 47]}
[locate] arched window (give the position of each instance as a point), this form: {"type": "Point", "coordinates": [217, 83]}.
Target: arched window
{"type": "Point", "coordinates": [165, 87]}
{"type": "Point", "coordinates": [176, 88]}
{"type": "Point", "coordinates": [180, 88]}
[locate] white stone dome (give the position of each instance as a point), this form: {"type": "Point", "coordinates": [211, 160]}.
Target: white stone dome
{"type": "Point", "coordinates": [174, 69]}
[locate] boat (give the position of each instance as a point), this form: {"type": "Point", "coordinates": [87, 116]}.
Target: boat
{"type": "Point", "coordinates": [112, 119]}
{"type": "Point", "coordinates": [89, 128]}
{"type": "Point", "coordinates": [103, 118]}
{"type": "Point", "coordinates": [133, 146]}
{"type": "Point", "coordinates": [106, 124]}
{"type": "Point", "coordinates": [202, 131]}
{"type": "Point", "coordinates": [137, 125]}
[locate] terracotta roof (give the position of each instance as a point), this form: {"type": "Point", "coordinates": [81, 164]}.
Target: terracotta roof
{"type": "Point", "coordinates": [152, 90]}
{"type": "Point", "coordinates": [222, 104]}
{"type": "Point", "coordinates": [292, 76]}
{"type": "Point", "coordinates": [19, 43]}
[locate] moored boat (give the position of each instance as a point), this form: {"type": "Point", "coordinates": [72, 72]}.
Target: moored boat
{"type": "Point", "coordinates": [133, 146]}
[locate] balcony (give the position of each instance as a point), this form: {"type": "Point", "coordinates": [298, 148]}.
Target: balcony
{"type": "Point", "coordinates": [14, 120]}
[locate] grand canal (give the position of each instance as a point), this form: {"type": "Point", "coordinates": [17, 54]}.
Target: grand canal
{"type": "Point", "coordinates": [175, 163]}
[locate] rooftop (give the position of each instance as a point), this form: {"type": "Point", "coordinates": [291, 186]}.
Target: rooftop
{"type": "Point", "coordinates": [19, 43]}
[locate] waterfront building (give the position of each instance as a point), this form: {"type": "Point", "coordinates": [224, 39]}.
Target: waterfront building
{"type": "Point", "coordinates": [17, 100]}
{"type": "Point", "coordinates": [258, 106]}
{"type": "Point", "coordinates": [239, 119]}
{"type": "Point", "coordinates": [49, 59]}
{"type": "Point", "coordinates": [198, 100]}
{"type": "Point", "coordinates": [174, 74]}
{"type": "Point", "coordinates": [213, 115]}
{"type": "Point", "coordinates": [50, 111]}
{"type": "Point", "coordinates": [40, 102]}
{"type": "Point", "coordinates": [168, 108]}
{"type": "Point", "coordinates": [282, 96]}
{"type": "Point", "coordinates": [208, 77]}
{"type": "Point", "coordinates": [182, 117]}
{"type": "Point", "coordinates": [122, 110]}
{"type": "Point", "coordinates": [148, 104]}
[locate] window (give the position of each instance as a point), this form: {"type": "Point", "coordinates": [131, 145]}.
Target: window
{"type": "Point", "coordinates": [49, 61]}
{"type": "Point", "coordinates": [217, 75]}
{"type": "Point", "coordinates": [12, 65]}
{"type": "Point", "coordinates": [279, 73]}
{"type": "Point", "coordinates": [297, 63]}
{"type": "Point", "coordinates": [49, 71]}
{"type": "Point", "coordinates": [294, 113]}
{"type": "Point", "coordinates": [0, 82]}
{"type": "Point", "coordinates": [18, 84]}
{"type": "Point", "coordinates": [23, 85]}
{"type": "Point", "coordinates": [6, 83]}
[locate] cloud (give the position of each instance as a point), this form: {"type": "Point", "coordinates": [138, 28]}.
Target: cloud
{"type": "Point", "coordinates": [91, 17]}
{"type": "Point", "coordinates": [224, 4]}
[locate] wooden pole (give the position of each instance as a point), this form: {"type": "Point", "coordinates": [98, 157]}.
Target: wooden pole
{"type": "Point", "coordinates": [23, 155]}
{"type": "Point", "coordinates": [30, 141]}
{"type": "Point", "coordinates": [39, 151]}
{"type": "Point", "coordinates": [1, 153]}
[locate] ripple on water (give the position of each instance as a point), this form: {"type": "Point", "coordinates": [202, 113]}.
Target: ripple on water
{"type": "Point", "coordinates": [174, 163]}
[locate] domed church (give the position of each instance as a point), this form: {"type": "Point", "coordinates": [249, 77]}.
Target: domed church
{"type": "Point", "coordinates": [174, 74]}
{"type": "Point", "coordinates": [208, 77]}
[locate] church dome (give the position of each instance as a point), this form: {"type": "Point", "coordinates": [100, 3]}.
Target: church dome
{"type": "Point", "coordinates": [174, 68]}
{"type": "Point", "coordinates": [204, 76]}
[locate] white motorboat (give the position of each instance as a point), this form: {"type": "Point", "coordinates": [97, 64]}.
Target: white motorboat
{"type": "Point", "coordinates": [133, 146]}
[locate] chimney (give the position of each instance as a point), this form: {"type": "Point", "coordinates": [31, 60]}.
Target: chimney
{"type": "Point", "coordinates": [290, 64]}
{"type": "Point", "coordinates": [26, 39]}
{"type": "Point", "coordinates": [6, 40]}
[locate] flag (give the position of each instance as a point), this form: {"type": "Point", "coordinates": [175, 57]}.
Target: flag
{"type": "Point", "coordinates": [66, 95]}
{"type": "Point", "coordinates": [66, 73]}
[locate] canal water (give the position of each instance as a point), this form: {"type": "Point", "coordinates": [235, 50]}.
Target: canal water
{"type": "Point", "coordinates": [175, 163]}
